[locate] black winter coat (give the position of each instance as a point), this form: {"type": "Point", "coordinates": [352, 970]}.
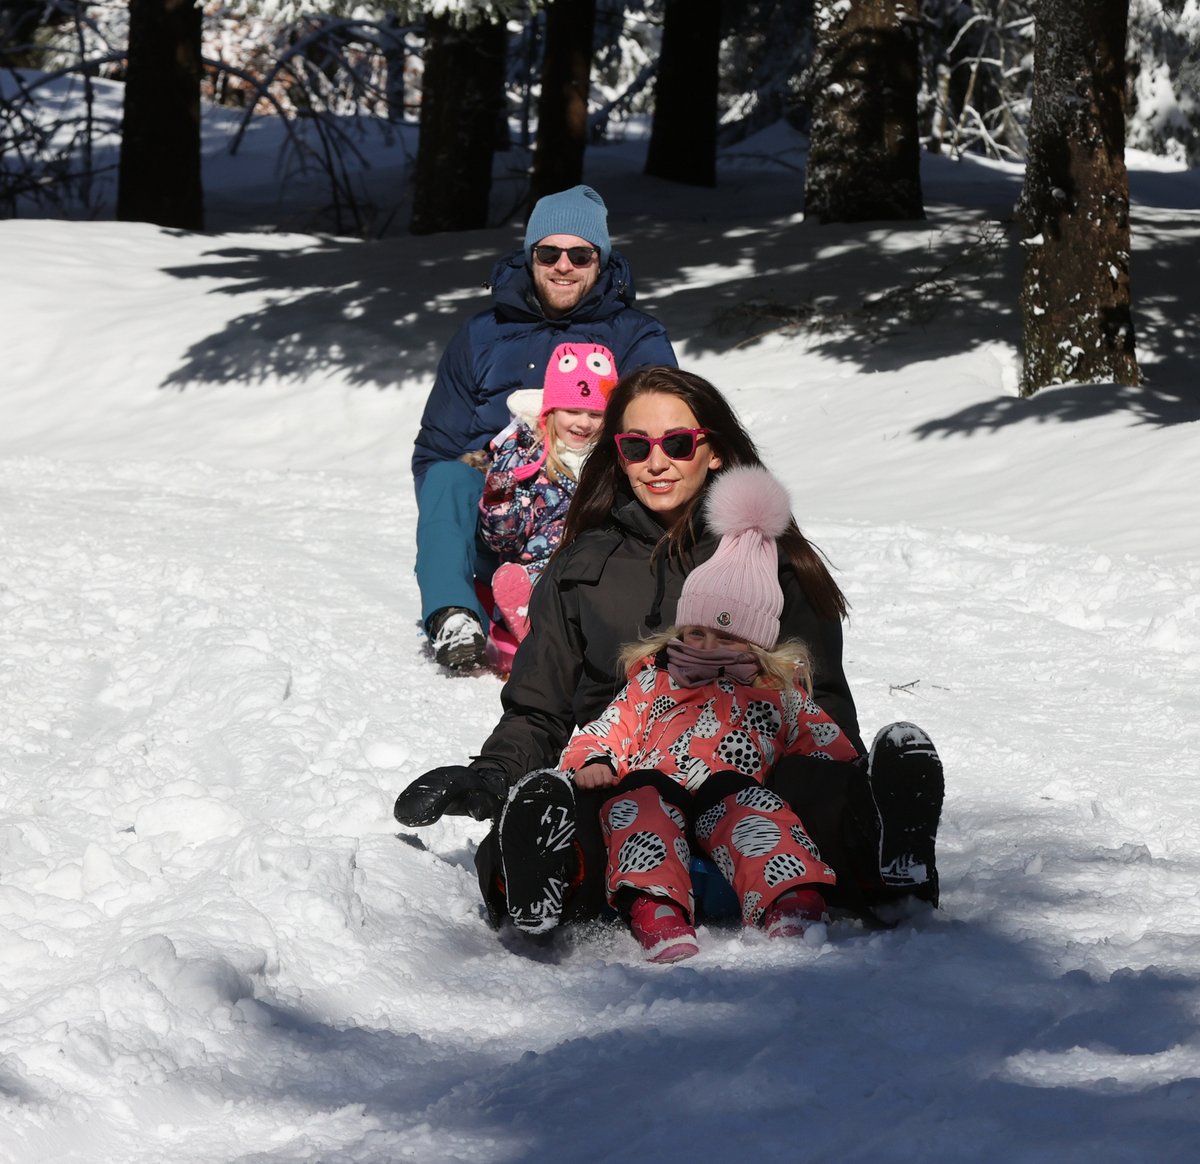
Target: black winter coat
{"type": "Point", "coordinates": [606, 589]}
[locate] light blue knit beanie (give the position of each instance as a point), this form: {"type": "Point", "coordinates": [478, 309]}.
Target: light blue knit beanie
{"type": "Point", "coordinates": [579, 211]}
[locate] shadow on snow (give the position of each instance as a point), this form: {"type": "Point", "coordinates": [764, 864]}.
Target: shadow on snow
{"type": "Point", "coordinates": [877, 296]}
{"type": "Point", "coordinates": [945, 1042]}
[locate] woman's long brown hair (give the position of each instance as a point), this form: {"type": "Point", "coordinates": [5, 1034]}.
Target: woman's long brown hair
{"type": "Point", "coordinates": [603, 479]}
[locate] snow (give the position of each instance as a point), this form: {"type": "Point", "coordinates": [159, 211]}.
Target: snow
{"type": "Point", "coordinates": [214, 944]}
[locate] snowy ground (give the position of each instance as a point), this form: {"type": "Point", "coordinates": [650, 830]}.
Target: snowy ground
{"type": "Point", "coordinates": [213, 945]}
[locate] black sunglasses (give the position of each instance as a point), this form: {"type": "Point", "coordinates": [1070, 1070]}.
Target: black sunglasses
{"type": "Point", "coordinates": [678, 445]}
{"type": "Point", "coordinates": [579, 256]}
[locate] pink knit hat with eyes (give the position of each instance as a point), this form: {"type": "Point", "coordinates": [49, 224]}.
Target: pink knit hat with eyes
{"type": "Point", "coordinates": [580, 376]}
{"type": "Point", "coordinates": [737, 590]}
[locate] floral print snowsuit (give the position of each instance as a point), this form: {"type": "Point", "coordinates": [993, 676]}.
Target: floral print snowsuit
{"type": "Point", "coordinates": [717, 741]}
{"type": "Point", "coordinates": [522, 520]}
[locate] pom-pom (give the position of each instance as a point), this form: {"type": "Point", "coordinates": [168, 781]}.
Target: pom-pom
{"type": "Point", "coordinates": [747, 498]}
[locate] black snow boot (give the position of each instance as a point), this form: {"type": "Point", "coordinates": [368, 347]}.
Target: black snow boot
{"type": "Point", "coordinates": [536, 831]}
{"type": "Point", "coordinates": [908, 785]}
{"type": "Point", "coordinates": [457, 638]}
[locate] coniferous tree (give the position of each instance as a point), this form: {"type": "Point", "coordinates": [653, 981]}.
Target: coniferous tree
{"type": "Point", "coordinates": [563, 107]}
{"type": "Point", "coordinates": [462, 100]}
{"type": "Point", "coordinates": [766, 49]}
{"type": "Point", "coordinates": [683, 135]}
{"type": "Point", "coordinates": [1074, 207]}
{"type": "Point", "coordinates": [159, 171]}
{"type": "Point", "coordinates": [864, 151]}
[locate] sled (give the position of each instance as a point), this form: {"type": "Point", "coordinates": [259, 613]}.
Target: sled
{"type": "Point", "coordinates": [500, 648]}
{"type": "Point", "coordinates": [713, 895]}
{"type": "Point", "coordinates": [501, 644]}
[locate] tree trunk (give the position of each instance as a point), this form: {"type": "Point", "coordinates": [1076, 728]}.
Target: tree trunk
{"type": "Point", "coordinates": [158, 177]}
{"type": "Point", "coordinates": [563, 107]}
{"type": "Point", "coordinates": [395, 58]}
{"type": "Point", "coordinates": [462, 99]}
{"type": "Point", "coordinates": [683, 136]}
{"type": "Point", "coordinates": [1074, 208]}
{"type": "Point", "coordinates": [864, 148]}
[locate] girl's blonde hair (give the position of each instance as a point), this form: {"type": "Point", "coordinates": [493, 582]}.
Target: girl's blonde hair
{"type": "Point", "coordinates": [554, 468]}
{"type": "Point", "coordinates": [787, 664]}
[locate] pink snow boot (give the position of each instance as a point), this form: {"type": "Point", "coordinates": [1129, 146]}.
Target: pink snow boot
{"type": "Point", "coordinates": [511, 587]}
{"type": "Point", "coordinates": [792, 914]}
{"type": "Point", "coordinates": [662, 929]}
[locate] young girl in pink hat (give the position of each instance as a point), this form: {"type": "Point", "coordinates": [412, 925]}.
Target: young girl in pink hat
{"type": "Point", "coordinates": [710, 706]}
{"type": "Point", "coordinates": [534, 466]}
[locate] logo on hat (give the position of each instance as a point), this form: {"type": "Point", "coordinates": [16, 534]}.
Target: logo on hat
{"type": "Point", "coordinates": [723, 619]}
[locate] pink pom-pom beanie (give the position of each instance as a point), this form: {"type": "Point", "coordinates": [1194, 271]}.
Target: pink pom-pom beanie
{"type": "Point", "coordinates": [737, 590]}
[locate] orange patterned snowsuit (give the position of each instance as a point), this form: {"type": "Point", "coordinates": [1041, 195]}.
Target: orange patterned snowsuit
{"type": "Point", "coordinates": [717, 741]}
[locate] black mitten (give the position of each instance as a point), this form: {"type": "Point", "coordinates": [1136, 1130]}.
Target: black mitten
{"type": "Point", "coordinates": [455, 790]}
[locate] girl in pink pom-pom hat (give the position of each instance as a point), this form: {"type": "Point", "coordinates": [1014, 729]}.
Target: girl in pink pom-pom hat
{"type": "Point", "coordinates": [709, 707]}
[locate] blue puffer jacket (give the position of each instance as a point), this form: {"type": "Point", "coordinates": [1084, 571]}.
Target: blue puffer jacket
{"type": "Point", "coordinates": [508, 347]}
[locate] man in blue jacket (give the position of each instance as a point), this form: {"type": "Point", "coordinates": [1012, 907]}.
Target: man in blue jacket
{"type": "Point", "coordinates": [567, 284]}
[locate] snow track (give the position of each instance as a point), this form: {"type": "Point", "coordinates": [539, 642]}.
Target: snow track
{"type": "Point", "coordinates": [214, 947]}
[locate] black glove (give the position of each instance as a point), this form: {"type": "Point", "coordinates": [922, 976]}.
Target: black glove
{"type": "Point", "coordinates": [455, 790]}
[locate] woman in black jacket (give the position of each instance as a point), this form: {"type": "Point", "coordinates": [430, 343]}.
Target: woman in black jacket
{"type": "Point", "coordinates": [633, 533]}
